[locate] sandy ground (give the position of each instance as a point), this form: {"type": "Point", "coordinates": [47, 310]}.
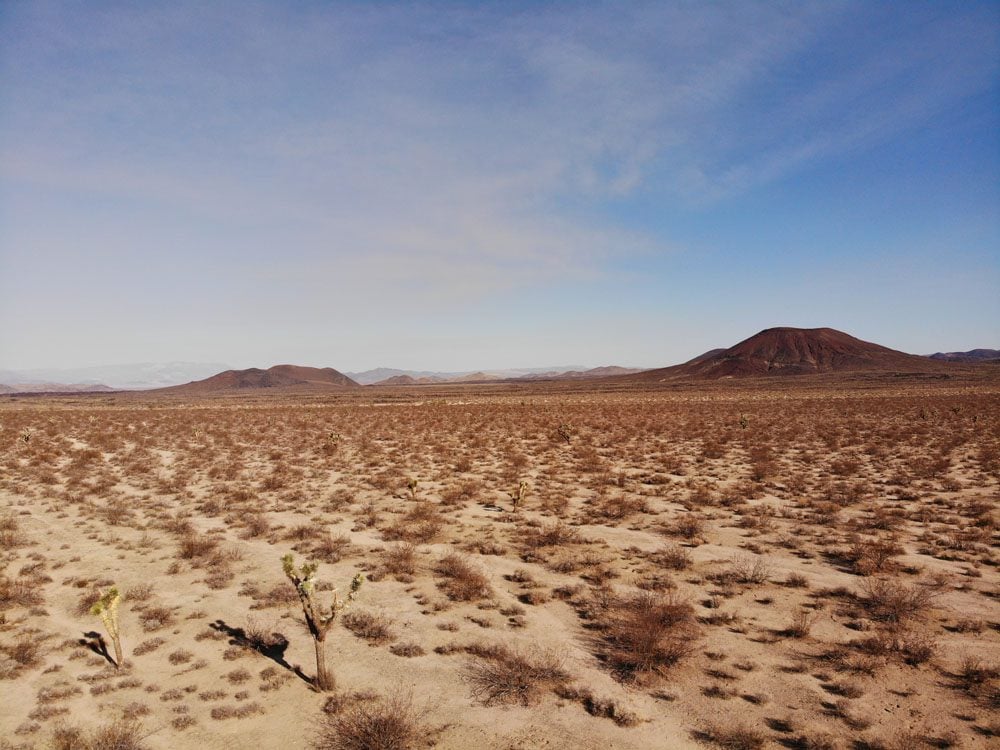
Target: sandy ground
{"type": "Point", "coordinates": [770, 518]}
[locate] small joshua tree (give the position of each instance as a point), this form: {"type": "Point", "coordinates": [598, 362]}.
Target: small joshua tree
{"type": "Point", "coordinates": [519, 494]}
{"type": "Point", "coordinates": [107, 609]}
{"type": "Point", "coordinates": [318, 619]}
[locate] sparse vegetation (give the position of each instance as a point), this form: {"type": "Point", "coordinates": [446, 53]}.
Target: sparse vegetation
{"type": "Point", "coordinates": [839, 547]}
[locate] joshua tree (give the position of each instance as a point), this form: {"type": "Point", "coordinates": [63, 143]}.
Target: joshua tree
{"type": "Point", "coordinates": [318, 619]}
{"type": "Point", "coordinates": [519, 494]}
{"type": "Point", "coordinates": [107, 609]}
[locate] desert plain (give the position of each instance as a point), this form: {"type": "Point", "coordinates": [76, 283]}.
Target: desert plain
{"type": "Point", "coordinates": [734, 565]}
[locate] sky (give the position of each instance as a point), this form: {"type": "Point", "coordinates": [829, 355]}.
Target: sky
{"type": "Point", "coordinates": [461, 186]}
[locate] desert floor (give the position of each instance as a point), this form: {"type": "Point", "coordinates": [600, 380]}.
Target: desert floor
{"type": "Point", "coordinates": [804, 566]}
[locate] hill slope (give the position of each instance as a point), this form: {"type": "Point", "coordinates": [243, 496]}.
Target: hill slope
{"type": "Point", "coordinates": [796, 351]}
{"type": "Point", "coordinates": [279, 376]}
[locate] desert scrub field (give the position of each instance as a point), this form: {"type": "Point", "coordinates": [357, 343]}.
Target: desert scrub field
{"type": "Point", "coordinates": [810, 567]}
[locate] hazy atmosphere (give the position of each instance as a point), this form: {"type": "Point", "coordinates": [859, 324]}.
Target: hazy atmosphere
{"type": "Point", "coordinates": [457, 186]}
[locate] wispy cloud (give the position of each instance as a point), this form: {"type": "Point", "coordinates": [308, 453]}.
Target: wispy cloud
{"type": "Point", "coordinates": [433, 153]}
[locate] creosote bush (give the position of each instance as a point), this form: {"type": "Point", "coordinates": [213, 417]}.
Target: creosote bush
{"type": "Point", "coordinates": [643, 635]}
{"type": "Point", "coordinates": [373, 724]}
{"type": "Point", "coordinates": [503, 675]}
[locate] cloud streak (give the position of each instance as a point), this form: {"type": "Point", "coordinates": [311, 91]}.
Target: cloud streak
{"type": "Point", "coordinates": [432, 154]}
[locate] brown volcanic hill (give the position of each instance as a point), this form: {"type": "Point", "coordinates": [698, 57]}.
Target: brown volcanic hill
{"type": "Point", "coordinates": [796, 351]}
{"type": "Point", "coordinates": [279, 376]}
{"type": "Point", "coordinates": [399, 380]}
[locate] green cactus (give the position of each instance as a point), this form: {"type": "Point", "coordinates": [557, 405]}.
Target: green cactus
{"type": "Point", "coordinates": [107, 609]}
{"type": "Point", "coordinates": [318, 619]}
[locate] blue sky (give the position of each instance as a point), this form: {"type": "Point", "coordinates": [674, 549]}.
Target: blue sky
{"type": "Point", "coordinates": [467, 186]}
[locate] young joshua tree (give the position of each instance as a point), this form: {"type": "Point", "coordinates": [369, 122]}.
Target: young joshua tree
{"type": "Point", "coordinates": [519, 494]}
{"type": "Point", "coordinates": [107, 609]}
{"type": "Point", "coordinates": [318, 618]}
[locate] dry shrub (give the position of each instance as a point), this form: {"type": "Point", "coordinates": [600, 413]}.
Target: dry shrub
{"type": "Point", "coordinates": [21, 592]}
{"type": "Point", "coordinates": [604, 708]}
{"type": "Point", "coordinates": [118, 735]}
{"type": "Point", "coordinates": [194, 546]}
{"type": "Point", "coordinates": [407, 650]}
{"type": "Point", "coordinates": [550, 535]}
{"type": "Point", "coordinates": [644, 634]}
{"type": "Point", "coordinates": [870, 556]}
{"type": "Point", "coordinates": [801, 624]}
{"type": "Point", "coordinates": [502, 675]}
{"type": "Point", "coordinates": [155, 618]}
{"type": "Point", "coordinates": [734, 737]}
{"type": "Point", "coordinates": [332, 549]}
{"type": "Point", "coordinates": [462, 582]}
{"type": "Point", "coordinates": [25, 651]}
{"type": "Point", "coordinates": [255, 525]}
{"type": "Point", "coordinates": [399, 560]}
{"type": "Point", "coordinates": [236, 712]}
{"type": "Point", "coordinates": [374, 628]}
{"type": "Point", "coordinates": [422, 523]}
{"type": "Point", "coordinates": [672, 556]}
{"type": "Point", "coordinates": [751, 570]}
{"type": "Point", "coordinates": [385, 724]}
{"type": "Point", "coordinates": [888, 600]}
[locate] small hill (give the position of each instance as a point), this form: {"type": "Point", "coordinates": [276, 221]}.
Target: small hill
{"type": "Point", "coordinates": [973, 355]}
{"type": "Point", "coordinates": [279, 376]}
{"type": "Point", "coordinates": [796, 351]}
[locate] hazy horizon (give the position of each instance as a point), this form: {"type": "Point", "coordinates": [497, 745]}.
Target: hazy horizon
{"type": "Point", "coordinates": [452, 186]}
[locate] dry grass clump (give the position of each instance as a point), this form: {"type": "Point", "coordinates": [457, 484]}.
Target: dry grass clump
{"type": "Point", "coordinates": [373, 724]}
{"type": "Point", "coordinates": [601, 707]}
{"type": "Point", "coordinates": [502, 675]}
{"type": "Point", "coordinates": [733, 737]}
{"type": "Point", "coordinates": [643, 635]}
{"type": "Point", "coordinates": [462, 582]}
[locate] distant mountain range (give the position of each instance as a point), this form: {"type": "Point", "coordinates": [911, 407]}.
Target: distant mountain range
{"type": "Point", "coordinates": [55, 388]}
{"type": "Point", "coordinates": [506, 375]}
{"type": "Point", "coordinates": [135, 376]}
{"type": "Point", "coordinates": [974, 355]}
{"type": "Point", "coordinates": [772, 352]}
{"type": "Point", "coordinates": [382, 374]}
